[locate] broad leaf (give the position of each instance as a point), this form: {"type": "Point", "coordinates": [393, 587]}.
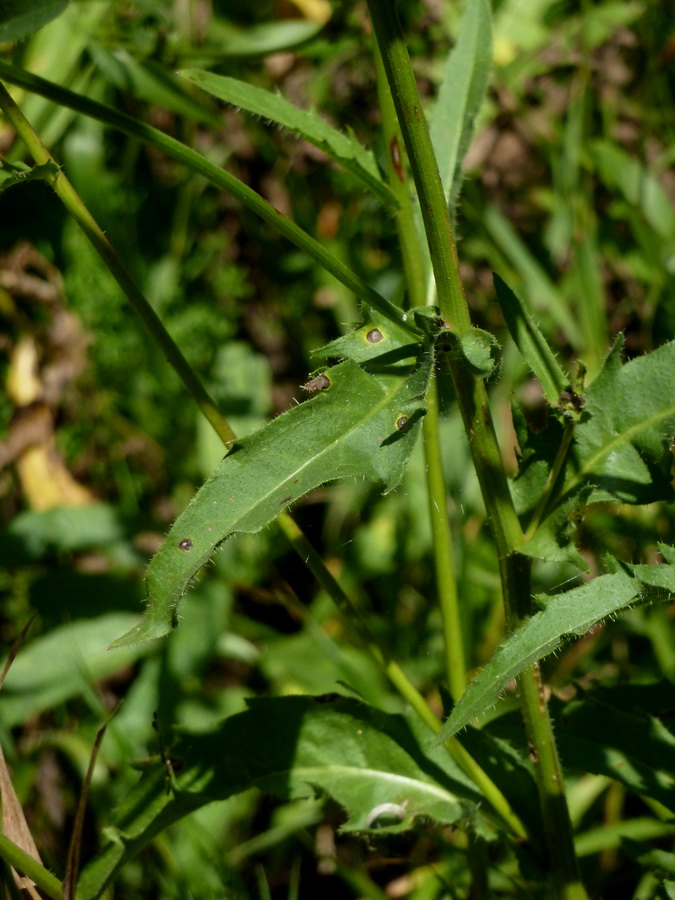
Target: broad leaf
{"type": "Point", "coordinates": [62, 664]}
{"type": "Point", "coordinates": [600, 733]}
{"type": "Point", "coordinates": [623, 445]}
{"type": "Point", "coordinates": [344, 149]}
{"type": "Point", "coordinates": [564, 615]}
{"type": "Point", "coordinates": [19, 19]}
{"type": "Point", "coordinates": [370, 762]}
{"type": "Point", "coordinates": [363, 421]}
{"type": "Point", "coordinates": [621, 448]}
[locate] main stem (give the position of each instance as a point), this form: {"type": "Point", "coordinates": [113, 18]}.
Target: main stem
{"type": "Point", "coordinates": [415, 279]}
{"type": "Point", "coordinates": [475, 410]}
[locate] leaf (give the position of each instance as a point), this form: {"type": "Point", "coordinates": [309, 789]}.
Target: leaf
{"type": "Point", "coordinates": [620, 449]}
{"type": "Point", "coordinates": [623, 446]}
{"type": "Point", "coordinates": [461, 93]}
{"type": "Point", "coordinates": [531, 342]}
{"type": "Point", "coordinates": [544, 297]}
{"type": "Point", "coordinates": [370, 762]}
{"type": "Point", "coordinates": [19, 19]}
{"type": "Point", "coordinates": [365, 423]}
{"type": "Point", "coordinates": [149, 81]}
{"type": "Point", "coordinates": [601, 735]}
{"type": "Point", "coordinates": [564, 615]}
{"type": "Point", "coordinates": [62, 664]}
{"type": "Point", "coordinates": [22, 173]}
{"type": "Point", "coordinates": [479, 349]}
{"type": "Point", "coordinates": [258, 40]}
{"type": "Point", "coordinates": [344, 149]}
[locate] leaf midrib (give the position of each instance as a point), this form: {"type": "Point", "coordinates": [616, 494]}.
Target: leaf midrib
{"type": "Point", "coordinates": [372, 411]}
{"type": "Point", "coordinates": [625, 437]}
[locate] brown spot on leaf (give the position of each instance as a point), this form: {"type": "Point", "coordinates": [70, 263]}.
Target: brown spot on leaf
{"type": "Point", "coordinates": [401, 422]}
{"type": "Point", "coordinates": [185, 544]}
{"type": "Point", "coordinates": [320, 383]}
{"type": "Point", "coordinates": [374, 336]}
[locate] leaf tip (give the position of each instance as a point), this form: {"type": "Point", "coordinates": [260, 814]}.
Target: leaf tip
{"type": "Point", "coordinates": [146, 630]}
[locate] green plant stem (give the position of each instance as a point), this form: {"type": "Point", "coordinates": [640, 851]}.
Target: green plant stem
{"type": "Point", "coordinates": [217, 176]}
{"type": "Point", "coordinates": [547, 491]}
{"type": "Point", "coordinates": [423, 164]}
{"type": "Point", "coordinates": [396, 162]}
{"type": "Point", "coordinates": [474, 407]}
{"type": "Point", "coordinates": [446, 578]}
{"type": "Point", "coordinates": [30, 868]}
{"type": "Point", "coordinates": [415, 273]}
{"type": "Point", "coordinates": [71, 200]}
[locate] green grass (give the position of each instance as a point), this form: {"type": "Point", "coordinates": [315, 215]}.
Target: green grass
{"type": "Point", "coordinates": [567, 195]}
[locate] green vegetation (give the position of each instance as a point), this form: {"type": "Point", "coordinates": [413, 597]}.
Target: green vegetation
{"type": "Point", "coordinates": [338, 343]}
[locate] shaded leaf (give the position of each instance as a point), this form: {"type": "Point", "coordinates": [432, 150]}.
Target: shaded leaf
{"type": "Point", "coordinates": [622, 446]}
{"type": "Point", "coordinates": [531, 342]}
{"type": "Point", "coordinates": [19, 19]}
{"type": "Point", "coordinates": [629, 745]}
{"type": "Point", "coordinates": [344, 149]}
{"type": "Point", "coordinates": [62, 664]}
{"type": "Point", "coordinates": [259, 40]}
{"type": "Point", "coordinates": [620, 449]}
{"type": "Point", "coordinates": [365, 423]}
{"type": "Point", "coordinates": [370, 762]}
{"type": "Point", "coordinates": [564, 615]}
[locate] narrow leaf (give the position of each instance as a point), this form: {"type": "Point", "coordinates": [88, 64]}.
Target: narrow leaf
{"type": "Point", "coordinates": [564, 615]}
{"type": "Point", "coordinates": [344, 149]}
{"type": "Point", "coordinates": [544, 297]}
{"type": "Point", "coordinates": [461, 93]}
{"type": "Point", "coordinates": [365, 422]}
{"type": "Point", "coordinates": [531, 342]}
{"type": "Point", "coordinates": [371, 763]}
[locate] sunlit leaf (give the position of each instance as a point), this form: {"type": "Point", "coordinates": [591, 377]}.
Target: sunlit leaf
{"type": "Point", "coordinates": [363, 421]}
{"type": "Point", "coordinates": [564, 615]}
{"type": "Point", "coordinates": [345, 149]}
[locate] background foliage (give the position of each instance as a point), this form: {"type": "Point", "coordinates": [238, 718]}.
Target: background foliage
{"type": "Point", "coordinates": [569, 195]}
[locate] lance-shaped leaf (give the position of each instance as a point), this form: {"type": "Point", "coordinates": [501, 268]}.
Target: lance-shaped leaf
{"type": "Point", "coordinates": [531, 342]}
{"type": "Point", "coordinates": [371, 763]}
{"type": "Point", "coordinates": [461, 93]}
{"type": "Point", "coordinates": [345, 149]}
{"type": "Point", "coordinates": [620, 449]}
{"type": "Point", "coordinates": [364, 421]}
{"type": "Point", "coordinates": [564, 615]}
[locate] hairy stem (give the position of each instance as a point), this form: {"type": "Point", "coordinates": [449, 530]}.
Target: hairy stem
{"type": "Point", "coordinates": [415, 274]}
{"type": "Point", "coordinates": [474, 407]}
